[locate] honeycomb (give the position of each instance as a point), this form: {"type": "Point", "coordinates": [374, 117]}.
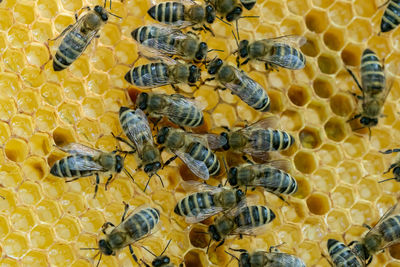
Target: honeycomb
{"type": "Point", "coordinates": [45, 221]}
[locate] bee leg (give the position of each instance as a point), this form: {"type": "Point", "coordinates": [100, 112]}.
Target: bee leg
{"type": "Point", "coordinates": [246, 61]}
{"type": "Point", "coordinates": [355, 79]}
{"type": "Point", "coordinates": [240, 236]}
{"type": "Point", "coordinates": [209, 79]}
{"type": "Point", "coordinates": [367, 226]}
{"type": "Point", "coordinates": [354, 118]}
{"type": "Point", "coordinates": [238, 250]}
{"type": "Point", "coordinates": [357, 96]}
{"type": "Point", "coordinates": [208, 29]}
{"type": "Point", "coordinates": [108, 182]}
{"type": "Point", "coordinates": [68, 181]}
{"type": "Point", "coordinates": [105, 226]}
{"type": "Point", "coordinates": [173, 87]}
{"type": "Point", "coordinates": [133, 254]}
{"type": "Point", "coordinates": [97, 185]}
{"type": "Point", "coordinates": [219, 244]}
{"type": "Point", "coordinates": [126, 142]}
{"type": "Point", "coordinates": [156, 122]}
{"type": "Point", "coordinates": [169, 161]}
{"type": "Point", "coordinates": [126, 208]}
{"type": "Point", "coordinates": [145, 264]}
{"type": "Point", "coordinates": [390, 151]}
{"type": "Point", "coordinates": [390, 168]}
{"type": "Point", "coordinates": [245, 158]}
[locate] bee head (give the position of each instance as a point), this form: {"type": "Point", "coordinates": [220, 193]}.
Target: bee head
{"type": "Point", "coordinates": [160, 261]}
{"type": "Point", "coordinates": [119, 164]}
{"type": "Point", "coordinates": [243, 46]}
{"type": "Point", "coordinates": [234, 14]}
{"type": "Point", "coordinates": [141, 101]}
{"type": "Point", "coordinates": [226, 146]}
{"type": "Point", "coordinates": [368, 122]}
{"type": "Point", "coordinates": [212, 230]}
{"type": "Point", "coordinates": [162, 135]}
{"type": "Point", "coordinates": [244, 259]}
{"type": "Point", "coordinates": [194, 74]}
{"type": "Point", "coordinates": [240, 195]}
{"type": "Point", "coordinates": [105, 247]}
{"type": "Point", "coordinates": [210, 14]}
{"type": "Point", "coordinates": [232, 176]}
{"type": "Point", "coordinates": [152, 167]}
{"type": "Point", "coordinates": [214, 66]}
{"type": "Point", "coordinates": [201, 51]}
{"type": "Point", "coordinates": [101, 12]}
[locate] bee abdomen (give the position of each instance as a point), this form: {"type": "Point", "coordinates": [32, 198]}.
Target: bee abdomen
{"type": "Point", "coordinates": [70, 49]}
{"type": "Point", "coordinates": [269, 140]}
{"type": "Point", "coordinates": [390, 228]}
{"type": "Point", "coordinates": [248, 4]}
{"type": "Point", "coordinates": [391, 17]}
{"type": "Point", "coordinates": [285, 51]}
{"type": "Point", "coordinates": [192, 205]}
{"type": "Point", "coordinates": [372, 75]}
{"type": "Point", "coordinates": [67, 167]}
{"type": "Point", "coordinates": [202, 153]}
{"type": "Point", "coordinates": [149, 75]}
{"type": "Point", "coordinates": [342, 254]}
{"type": "Point", "coordinates": [128, 119]}
{"type": "Point", "coordinates": [168, 12]}
{"type": "Point", "coordinates": [144, 33]}
{"type": "Point", "coordinates": [286, 185]}
{"type": "Point", "coordinates": [141, 223]}
{"type": "Point", "coordinates": [193, 117]}
{"type": "Point", "coordinates": [254, 216]}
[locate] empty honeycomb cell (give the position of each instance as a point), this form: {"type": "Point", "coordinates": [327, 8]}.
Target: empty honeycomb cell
{"type": "Point", "coordinates": [45, 120]}
{"type": "Point", "coordinates": [73, 203]}
{"type": "Point", "coordinates": [318, 203]}
{"type": "Point", "coordinates": [33, 76]}
{"type": "Point", "coordinates": [195, 258]}
{"type": "Point", "coordinates": [291, 233]}
{"type": "Point", "coordinates": [42, 236]}
{"type": "Point", "coordinates": [361, 212]}
{"type": "Point", "coordinates": [373, 163]}
{"type": "Point", "coordinates": [274, 10]}
{"type": "Point", "coordinates": [341, 13]}
{"type": "Point", "coordinates": [61, 255]}
{"type": "Point", "coordinates": [47, 211]}
{"type": "Point", "coordinates": [224, 115]}
{"type": "Point", "coordinates": [207, 97]}
{"type": "Point", "coordinates": [381, 139]}
{"type": "Point", "coordinates": [110, 34]}
{"type": "Point", "coordinates": [342, 104]}
{"type": "Point", "coordinates": [39, 144]}
{"type": "Point", "coordinates": [310, 137]}
{"type": "Point", "coordinates": [61, 22]}
{"type": "Point", "coordinates": [10, 85]}
{"type": "Point", "coordinates": [24, 13]}
{"type": "Point", "coordinates": [29, 193]}
{"type": "Point", "coordinates": [291, 26]}
{"type": "Point", "coordinates": [27, 101]}
{"type": "Point", "coordinates": [355, 146]}
{"type": "Point", "coordinates": [15, 245]}
{"type": "Point", "coordinates": [198, 238]}
{"type": "Point", "coordinates": [35, 168]}
{"type": "Point", "coordinates": [4, 132]}
{"type": "Point", "coordinates": [11, 176]}
{"type": "Point", "coordinates": [343, 197]}
{"type": "Point", "coordinates": [330, 154]}
{"type": "Point", "coordinates": [337, 220]}
{"type": "Point", "coordinates": [69, 113]}
{"type": "Point", "coordinates": [80, 68]}
{"type": "Point", "coordinates": [277, 102]}
{"type": "Point", "coordinates": [42, 31]}
{"type": "Point", "coordinates": [21, 125]}
{"type": "Point", "coordinates": [298, 7]}
{"type": "Point", "coordinates": [7, 19]}
{"type": "Point", "coordinates": [323, 179]}
{"type": "Point", "coordinates": [67, 228]}
{"type": "Point", "coordinates": [36, 54]}
{"type": "Point", "coordinates": [103, 58]}
{"type": "Point", "coordinates": [92, 220]}
{"type": "Point", "coordinates": [114, 99]}
{"type": "Point", "coordinates": [88, 129]}
{"type": "Point", "coordinates": [317, 20]}
{"type": "Point", "coordinates": [328, 63]}
{"type": "Point", "coordinates": [305, 162]}
{"type": "Point", "coordinates": [22, 219]}
{"type": "Point", "coordinates": [63, 136]}
{"type": "Point", "coordinates": [4, 227]}
{"type": "Point", "coordinates": [18, 36]}
{"type": "Point", "coordinates": [35, 259]}
{"type": "Point", "coordinates": [16, 149]}
{"type": "Point", "coordinates": [368, 189]}
{"type": "Point", "coordinates": [74, 89]}
{"type": "Point", "coordinates": [335, 129]}
{"type": "Point", "coordinates": [299, 94]}
{"type": "Point", "coordinates": [334, 38]}
{"type": "Point", "coordinates": [309, 252]}
{"type": "Point", "coordinates": [316, 113]}
{"type": "Point", "coordinates": [314, 228]}
{"type": "Point", "coordinates": [47, 8]}
{"type": "Point", "coordinates": [359, 30]}
{"type": "Point", "coordinates": [323, 86]}
{"type": "Point", "coordinates": [125, 52]}
{"type": "Point", "coordinates": [14, 60]}
{"type": "Point", "coordinates": [394, 252]}
{"type": "Point", "coordinates": [351, 55]}
{"type": "Point", "coordinates": [51, 93]}
{"type": "Point", "coordinates": [92, 107]}
{"type": "Point", "coordinates": [109, 123]}
{"type": "Point", "coordinates": [292, 120]}
{"type": "Point", "coordinates": [72, 5]}
{"type": "Point", "coordinates": [312, 46]}
{"type": "Point", "coordinates": [380, 45]}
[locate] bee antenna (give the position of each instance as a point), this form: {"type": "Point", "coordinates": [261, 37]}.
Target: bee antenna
{"type": "Point", "coordinates": [166, 247]}
{"type": "Point", "coordinates": [112, 14]}
{"type": "Point", "coordinates": [148, 250]}
{"type": "Point", "coordinates": [89, 248]}
{"type": "Point", "coordinates": [208, 247]}
{"type": "Point", "coordinates": [369, 133]}
{"type": "Point", "coordinates": [236, 40]}
{"type": "Point", "coordinates": [105, 3]}
{"type": "Point", "coordinates": [98, 263]}
{"type": "Point", "coordinates": [148, 181]}
{"type": "Point", "coordinates": [387, 180]}
{"type": "Point", "coordinates": [359, 128]}
{"type": "Point", "coordinates": [223, 21]}
{"type": "Point", "coordinates": [129, 175]}
{"type": "Point", "coordinates": [162, 183]}
{"type": "Point", "coordinates": [233, 256]}
{"type": "Point", "coordinates": [219, 50]}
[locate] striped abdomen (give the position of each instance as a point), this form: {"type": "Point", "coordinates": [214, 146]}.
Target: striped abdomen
{"type": "Point", "coordinates": [71, 47]}
{"type": "Point", "coordinates": [391, 17]}
{"type": "Point", "coordinates": [140, 224]}
{"type": "Point", "coordinates": [164, 38]}
{"type": "Point", "coordinates": [278, 182]}
{"type": "Point", "coordinates": [68, 167]}
{"type": "Point", "coordinates": [194, 204]}
{"type": "Point", "coordinates": [288, 57]}
{"type": "Point", "coordinates": [341, 254]}
{"type": "Point", "coordinates": [202, 153]}
{"type": "Point", "coordinates": [270, 140]}
{"type": "Point", "coordinates": [149, 75]}
{"type": "Point", "coordinates": [390, 228]}
{"type": "Point", "coordinates": [129, 119]}
{"type": "Point", "coordinates": [254, 216]}
{"type": "Point", "coordinates": [248, 4]}
{"type": "Point", "coordinates": [167, 12]}
{"type": "Point", "coordinates": [372, 75]}
{"type": "Point", "coordinates": [283, 259]}
{"type": "Point", "coordinates": [254, 95]}
{"type": "Point", "coordinates": [186, 115]}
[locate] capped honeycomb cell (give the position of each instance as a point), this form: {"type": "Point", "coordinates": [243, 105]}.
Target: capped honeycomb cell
{"type": "Point", "coordinates": [323, 179]}
{"type": "Point", "coordinates": [349, 172]}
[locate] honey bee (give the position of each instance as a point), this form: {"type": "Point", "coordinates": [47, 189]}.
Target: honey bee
{"type": "Point", "coordinates": [394, 166]}
{"type": "Point", "coordinates": [244, 220]}
{"type": "Point", "coordinates": [391, 18]}
{"type": "Point", "coordinates": [255, 139]}
{"type": "Point", "coordinates": [383, 235]}
{"type": "Point", "coordinates": [136, 127]}
{"type": "Point", "coordinates": [167, 41]}
{"type": "Point", "coordinates": [208, 201]}
{"type": "Point", "coordinates": [281, 51]}
{"type": "Point", "coordinates": [240, 84]}
{"type": "Point", "coordinates": [85, 161]}
{"type": "Point", "coordinates": [176, 108]}
{"type": "Point", "coordinates": [161, 261]}
{"type": "Point", "coordinates": [342, 255]}
{"type": "Point", "coordinates": [273, 258]}
{"type": "Point", "coordinates": [133, 228]}
{"type": "Point", "coordinates": [231, 10]}
{"type": "Point", "coordinates": [191, 149]}
{"type": "Point", "coordinates": [374, 89]}
{"type": "Point", "coordinates": [79, 35]}
{"type": "Point", "coordinates": [160, 73]}
{"type": "Point", "coordinates": [180, 15]}
{"type": "Point", "coordinates": [269, 176]}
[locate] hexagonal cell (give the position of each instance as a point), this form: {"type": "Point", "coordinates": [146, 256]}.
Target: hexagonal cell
{"type": "Point", "coordinates": [7, 20]}
{"type": "Point", "coordinates": [47, 8]}
{"type": "Point", "coordinates": [4, 227]}
{"type": "Point", "coordinates": [42, 30]}
{"type": "Point", "coordinates": [35, 259]}
{"type": "Point", "coordinates": [298, 7]}
{"type": "Point", "coordinates": [21, 125]}
{"type": "Point", "coordinates": [273, 10]}
{"type": "Point", "coordinates": [30, 193]}
{"type": "Point", "coordinates": [67, 228]}
{"type": "Point", "coordinates": [47, 211]}
{"type": "Point", "coordinates": [15, 245]}
{"type": "Point", "coordinates": [380, 46]}
{"type": "Point", "coordinates": [10, 84]}
{"type": "Point", "coordinates": [61, 255]}
{"type": "Point", "coordinates": [16, 149]}
{"type": "Point", "coordinates": [114, 99]}
{"type": "Point", "coordinates": [316, 112]}
{"type": "Point", "coordinates": [381, 139]}
{"type": "Point", "coordinates": [39, 144]}
{"type": "Point", "coordinates": [74, 89]}
{"type": "Point", "coordinates": [35, 168]}
{"type": "Point", "coordinates": [310, 137]}
{"type": "Point", "coordinates": [334, 38]}
{"type": "Point", "coordinates": [296, 211]}
{"type": "Point", "coordinates": [69, 113]}
{"type": "Point", "coordinates": [195, 258]}
{"type": "Point", "coordinates": [36, 55]}
{"type": "Point", "coordinates": [341, 13]}
{"type": "Point", "coordinates": [11, 177]}
{"type": "Point", "coordinates": [322, 3]}
{"type": "Point", "coordinates": [368, 189]}
{"type": "Point", "coordinates": [342, 104]}
{"type": "Point", "coordinates": [305, 162]}
{"type": "Point", "coordinates": [323, 86]}
{"type": "Point", "coordinates": [291, 234]}
{"type": "Point", "coordinates": [291, 26]}
{"type": "Point", "coordinates": [88, 129]}
{"type": "Point", "coordinates": [328, 63]}
{"type": "Point", "coordinates": [92, 221]}
{"type": "Point", "coordinates": [323, 179]}
{"type": "Point", "coordinates": [103, 59]}
{"type": "Point", "coordinates": [395, 252]}
{"type": "Point", "coordinates": [277, 101]}
{"type": "Point", "coordinates": [314, 228]}
{"type": "Point", "coordinates": [291, 120]}
{"type": "Point", "coordinates": [92, 107]}
{"type": "Point", "coordinates": [63, 136]}
{"type": "Point", "coordinates": [45, 120]}
{"type": "Point", "coordinates": [299, 95]}
{"type": "Point", "coordinates": [362, 212]}
{"type": "Point", "coordinates": [33, 76]}
{"type": "Point", "coordinates": [52, 93]}
{"type": "Point", "coordinates": [312, 47]}
{"type": "Point", "coordinates": [373, 163]}
{"type": "Point", "coordinates": [309, 252]}
{"type": "Point", "coordinates": [73, 203]}
{"type": "Point", "coordinates": [330, 155]}
{"type": "Point", "coordinates": [24, 13]}
{"type": "Point", "coordinates": [197, 239]}
{"type": "Point", "coordinates": [359, 30]}
{"type": "Point", "coordinates": [14, 60]}
{"type": "Point", "coordinates": [337, 220]}
{"type": "Point", "coordinates": [22, 219]}
{"type": "Point", "coordinates": [224, 115]}
{"type": "Point", "coordinates": [318, 203]}
{"type": "Point", "coordinates": [18, 36]}
{"type": "Point", "coordinates": [27, 101]}
{"type": "Point", "coordinates": [4, 132]}
{"type": "Point", "coordinates": [335, 129]}
{"type": "Point", "coordinates": [317, 20]}
{"type": "Point", "coordinates": [343, 197]}
{"type": "Point", "coordinates": [351, 54]}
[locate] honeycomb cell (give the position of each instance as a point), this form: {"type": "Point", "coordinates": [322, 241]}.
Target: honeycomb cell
{"type": "Point", "coordinates": [195, 258]}
{"type": "Point", "coordinates": [74, 89]}
{"type": "Point", "coordinates": [29, 193]}
{"type": "Point", "coordinates": [36, 54]}
{"type": "Point", "coordinates": [92, 221]}
{"type": "Point", "coordinates": [21, 125]}
{"type": "Point", "coordinates": [4, 227]}
{"type": "Point", "coordinates": [35, 259]}
{"type": "Point", "coordinates": [296, 211]}
{"type": "Point", "coordinates": [69, 113]}
{"type": "Point", "coordinates": [67, 228]}
{"type": "Point", "coordinates": [343, 197]}
{"type": "Point", "coordinates": [342, 104]}
{"type": "Point", "coordinates": [10, 85]}
{"type": "Point", "coordinates": [277, 101]}
{"type": "Point", "coordinates": [312, 46]}
{"type": "Point", "coordinates": [279, 79]}
{"type": "Point", "coordinates": [318, 203]}
{"type": "Point", "coordinates": [35, 168]}
{"type": "Point", "coordinates": [323, 86]}
{"type": "Point", "coordinates": [373, 163]}
{"type": "Point", "coordinates": [197, 238]}
{"type": "Point", "coordinates": [323, 179]}
{"type": "Point", "coordinates": [16, 149]}
{"type": "Point", "coordinates": [7, 20]}
{"type": "Point", "coordinates": [335, 129]}
{"type": "Point", "coordinates": [39, 144]}
{"type": "Point", "coordinates": [334, 38]}
{"type": "Point", "coordinates": [305, 162]}
{"type": "Point", "coordinates": [73, 203]}
{"type": "Point", "coordinates": [45, 120]}
{"type": "Point", "coordinates": [9, 262]}
{"type": "Point", "coordinates": [337, 220]}
{"type": "Point", "coordinates": [92, 107]}
{"type": "Point", "coordinates": [381, 139]}
{"type": "Point", "coordinates": [298, 7]}
{"type": "Point", "coordinates": [380, 46]}
{"type": "Point", "coordinates": [361, 212]}
{"type": "Point", "coordinates": [291, 234]}
{"type": "Point", "coordinates": [309, 252]}
{"type": "Point", "coordinates": [317, 20]}
{"type": "Point", "coordinates": [292, 120]}
{"type": "Point", "coordinates": [48, 211]}
{"type": "Point", "coordinates": [316, 113]}
{"type": "Point", "coordinates": [88, 129]}
{"type": "Point", "coordinates": [18, 36]}
{"type": "Point", "coordinates": [313, 228]}
{"type": "Point", "coordinates": [351, 54]}
{"type": "Point", "coordinates": [110, 34]}
{"type": "Point", "coordinates": [328, 63]}
{"type": "Point", "coordinates": [274, 10]}
{"type": "Point", "coordinates": [11, 176]}
{"type": "Point", "coordinates": [299, 95]}
{"type": "Point", "coordinates": [322, 3]}
{"type": "Point", "coordinates": [4, 132]}
{"type": "Point", "coordinates": [47, 8]}
{"type": "Point", "coordinates": [330, 154]}
{"type": "Point", "coordinates": [27, 101]}
{"type": "Point", "coordinates": [368, 189]}
{"type": "Point", "coordinates": [114, 99]}
{"type": "Point", "coordinates": [52, 93]}
{"type": "Point", "coordinates": [291, 26]}
{"type": "Point", "coordinates": [24, 13]}
{"type": "Point", "coordinates": [61, 22]}
{"type": "Point", "coordinates": [63, 136]}
{"type": "Point", "coordinates": [359, 30]}
{"type": "Point", "coordinates": [341, 13]}
{"type": "Point", "coordinates": [22, 219]}
{"type": "Point", "coordinates": [61, 255]}
{"type": "Point", "coordinates": [224, 115]}
{"type": "Point", "coordinates": [310, 137]}
{"type": "Point", "coordinates": [103, 59]}
{"type": "Point", "coordinates": [15, 245]}
{"type": "Point", "coordinates": [355, 146]}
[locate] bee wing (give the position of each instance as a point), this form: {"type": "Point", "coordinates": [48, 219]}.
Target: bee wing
{"type": "Point", "coordinates": [86, 164]}
{"type": "Point", "coordinates": [281, 164]}
{"type": "Point", "coordinates": [174, 108]}
{"type": "Point", "coordinates": [79, 149]}
{"type": "Point", "coordinates": [215, 141]}
{"type": "Point", "coordinates": [203, 214]}
{"type": "Point", "coordinates": [250, 230]}
{"type": "Point", "coordinates": [140, 133]}
{"type": "Point", "coordinates": [160, 43]}
{"type": "Point", "coordinates": [245, 81]}
{"type": "Point", "coordinates": [194, 186]}
{"type": "Point", "coordinates": [293, 40]}
{"type": "Point", "coordinates": [199, 168]}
